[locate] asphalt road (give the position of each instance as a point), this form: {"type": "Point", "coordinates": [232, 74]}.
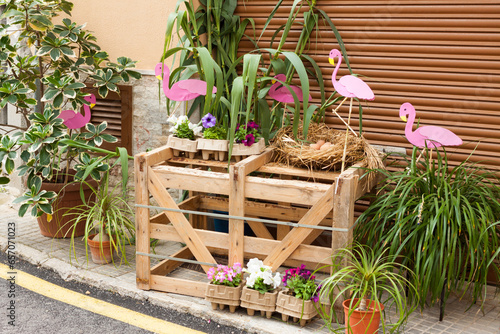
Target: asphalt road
{"type": "Point", "coordinates": [40, 315]}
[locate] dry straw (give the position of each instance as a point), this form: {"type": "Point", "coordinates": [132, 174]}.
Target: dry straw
{"type": "Point", "coordinates": [298, 153]}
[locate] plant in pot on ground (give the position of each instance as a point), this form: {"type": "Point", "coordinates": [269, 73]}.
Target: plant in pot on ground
{"type": "Point", "coordinates": [183, 137]}
{"type": "Point", "coordinates": [299, 298]}
{"type": "Point", "coordinates": [261, 289]}
{"type": "Point", "coordinates": [109, 222]}
{"type": "Point", "coordinates": [214, 139]}
{"type": "Point", "coordinates": [47, 69]}
{"type": "Point", "coordinates": [225, 286]}
{"type": "Point", "coordinates": [441, 221]}
{"type": "Point", "coordinates": [366, 284]}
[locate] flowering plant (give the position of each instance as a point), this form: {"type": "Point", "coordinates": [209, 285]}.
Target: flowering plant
{"type": "Point", "coordinates": [247, 134]}
{"type": "Point", "coordinates": [225, 275]}
{"type": "Point", "coordinates": [301, 283]}
{"type": "Point", "coordinates": [183, 128]}
{"type": "Point", "coordinates": [212, 130]}
{"type": "Point", "coordinates": [261, 277]}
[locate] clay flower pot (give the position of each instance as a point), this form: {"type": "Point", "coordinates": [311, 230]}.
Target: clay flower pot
{"type": "Point", "coordinates": [100, 254]}
{"type": "Point", "coordinates": [217, 147]}
{"type": "Point", "coordinates": [178, 145]}
{"type": "Point", "coordinates": [240, 151]}
{"type": "Point", "coordinates": [362, 322]}
{"type": "Point", "coordinates": [253, 301]}
{"type": "Point", "coordinates": [221, 295]}
{"type": "Point", "coordinates": [291, 306]}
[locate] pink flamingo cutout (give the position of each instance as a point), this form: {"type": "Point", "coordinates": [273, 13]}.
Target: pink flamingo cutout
{"type": "Point", "coordinates": [184, 90]}
{"type": "Point", "coordinates": [75, 120]}
{"type": "Point", "coordinates": [429, 135]}
{"type": "Point", "coordinates": [282, 94]}
{"type": "Point", "coordinates": [348, 86]}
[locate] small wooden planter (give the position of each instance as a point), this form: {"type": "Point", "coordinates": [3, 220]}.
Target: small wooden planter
{"type": "Point", "coordinates": [253, 301]}
{"type": "Point", "coordinates": [290, 306]}
{"type": "Point", "coordinates": [240, 151]}
{"type": "Point", "coordinates": [221, 295]}
{"type": "Point", "coordinates": [216, 147]}
{"type": "Point", "coordinates": [178, 145]}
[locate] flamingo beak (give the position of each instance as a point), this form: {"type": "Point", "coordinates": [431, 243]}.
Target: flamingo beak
{"type": "Point", "coordinates": [331, 61]}
{"type": "Point", "coordinates": [403, 117]}
{"type": "Point", "coordinates": [273, 81]}
{"type": "Point", "coordinates": [159, 77]}
{"type": "Point", "coordinates": [92, 105]}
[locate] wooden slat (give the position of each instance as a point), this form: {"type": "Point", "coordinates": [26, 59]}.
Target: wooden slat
{"type": "Point", "coordinates": [236, 208]}
{"type": "Point", "coordinates": [252, 245]}
{"type": "Point", "coordinates": [177, 285]}
{"type": "Point", "coordinates": [167, 266]}
{"type": "Point", "coordinates": [178, 220]}
{"type": "Point", "coordinates": [298, 234]}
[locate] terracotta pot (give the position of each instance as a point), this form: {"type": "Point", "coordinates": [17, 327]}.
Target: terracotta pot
{"type": "Point", "coordinates": [291, 306]}
{"type": "Point", "coordinates": [178, 145]}
{"type": "Point", "coordinates": [100, 254]}
{"type": "Point", "coordinates": [240, 151]}
{"type": "Point", "coordinates": [253, 301]}
{"type": "Point", "coordinates": [215, 147]}
{"type": "Point", "coordinates": [68, 197]}
{"type": "Point", "coordinates": [221, 295]}
{"type": "Point", "coordinates": [362, 322]}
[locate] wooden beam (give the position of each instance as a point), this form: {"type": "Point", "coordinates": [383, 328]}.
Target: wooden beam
{"type": "Point", "coordinates": [298, 234]}
{"type": "Point", "coordinates": [158, 155]}
{"type": "Point", "coordinates": [236, 208]}
{"type": "Point", "coordinates": [343, 210]}
{"type": "Point", "coordinates": [143, 263]}
{"type": "Point", "coordinates": [179, 221]}
{"type": "Point", "coordinates": [177, 285]}
{"type": "Point", "coordinates": [273, 168]}
{"type": "Point", "coordinates": [167, 266]}
{"type": "Point", "coordinates": [192, 203]}
{"type": "Point", "coordinates": [252, 246]}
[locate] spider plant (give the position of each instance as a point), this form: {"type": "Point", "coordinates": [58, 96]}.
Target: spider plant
{"type": "Point", "coordinates": [108, 214]}
{"type": "Point", "coordinates": [360, 274]}
{"type": "Point", "coordinates": [443, 219]}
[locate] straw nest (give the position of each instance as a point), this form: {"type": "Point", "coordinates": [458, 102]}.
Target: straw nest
{"type": "Point", "coordinates": [299, 153]}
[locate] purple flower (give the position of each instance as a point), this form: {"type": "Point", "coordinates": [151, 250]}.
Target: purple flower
{"type": "Point", "coordinates": [208, 121]}
{"type": "Point", "coordinates": [249, 140]}
{"type": "Point", "coordinates": [252, 125]}
{"type": "Point", "coordinates": [315, 298]}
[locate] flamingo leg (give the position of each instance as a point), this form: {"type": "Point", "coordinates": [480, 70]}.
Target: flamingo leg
{"type": "Point", "coordinates": [346, 137]}
{"type": "Point", "coordinates": [348, 126]}
{"type": "Point", "coordinates": [341, 103]}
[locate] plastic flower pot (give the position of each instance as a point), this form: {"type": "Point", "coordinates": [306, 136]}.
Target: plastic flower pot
{"type": "Point", "coordinates": [213, 147]}
{"type": "Point", "coordinates": [362, 322]}
{"type": "Point", "coordinates": [178, 145]}
{"type": "Point", "coordinates": [291, 306]}
{"type": "Point", "coordinates": [221, 295]}
{"type": "Point", "coordinates": [253, 301]}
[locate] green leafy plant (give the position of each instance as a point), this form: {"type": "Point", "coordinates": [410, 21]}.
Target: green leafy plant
{"type": "Point", "coordinates": [359, 273]}
{"type": "Point", "coordinates": [212, 130]}
{"type": "Point", "coordinates": [441, 220]}
{"type": "Point", "coordinates": [108, 212]}
{"type": "Point", "coordinates": [301, 284]}
{"type": "Point", "coordinates": [183, 128]}
{"type": "Point", "coordinates": [54, 63]}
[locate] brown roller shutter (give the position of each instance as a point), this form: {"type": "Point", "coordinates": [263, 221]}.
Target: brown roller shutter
{"type": "Point", "coordinates": [116, 109]}
{"type": "Point", "coordinates": [443, 56]}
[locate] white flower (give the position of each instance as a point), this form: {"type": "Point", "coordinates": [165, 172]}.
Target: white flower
{"type": "Point", "coordinates": [251, 280]}
{"type": "Point", "coordinates": [172, 119]}
{"type": "Point", "coordinates": [267, 277]}
{"type": "Point", "coordinates": [254, 265]}
{"type": "Point", "coordinates": [182, 119]}
{"type": "Point", "coordinates": [276, 280]}
{"type": "Point", "coordinates": [191, 126]}
{"type": "Point", "coordinates": [197, 130]}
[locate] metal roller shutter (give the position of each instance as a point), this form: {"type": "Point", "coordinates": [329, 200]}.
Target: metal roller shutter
{"type": "Point", "coordinates": [443, 56]}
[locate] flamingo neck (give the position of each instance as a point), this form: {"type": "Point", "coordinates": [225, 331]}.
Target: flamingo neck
{"type": "Point", "coordinates": [334, 75]}
{"type": "Point", "coordinates": [166, 79]}
{"type": "Point", "coordinates": [409, 125]}
{"type": "Point", "coordinates": [87, 115]}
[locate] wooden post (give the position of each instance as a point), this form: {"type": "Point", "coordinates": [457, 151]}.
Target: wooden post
{"type": "Point", "coordinates": [236, 208]}
{"type": "Point", "coordinates": [143, 263]}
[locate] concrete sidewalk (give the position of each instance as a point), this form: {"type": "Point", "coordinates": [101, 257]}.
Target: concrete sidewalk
{"type": "Point", "coordinates": [30, 245]}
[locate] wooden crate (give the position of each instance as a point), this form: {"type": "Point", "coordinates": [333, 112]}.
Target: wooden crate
{"type": "Point", "coordinates": [253, 187]}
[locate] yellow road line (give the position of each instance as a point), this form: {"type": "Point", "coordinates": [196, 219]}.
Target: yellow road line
{"type": "Point", "coordinates": [91, 304]}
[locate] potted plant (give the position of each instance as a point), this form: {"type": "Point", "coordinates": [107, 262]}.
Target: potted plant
{"type": "Point", "coordinates": [214, 139]}
{"type": "Point", "coordinates": [108, 220]}
{"type": "Point", "coordinates": [299, 298]}
{"type": "Point", "coordinates": [443, 219]}
{"type": "Point", "coordinates": [261, 289]}
{"type": "Point", "coordinates": [225, 286]}
{"type": "Point", "coordinates": [61, 60]}
{"type": "Point", "coordinates": [248, 140]}
{"type": "Point", "coordinates": [369, 283]}
{"type": "Point", "coordinates": [183, 137]}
